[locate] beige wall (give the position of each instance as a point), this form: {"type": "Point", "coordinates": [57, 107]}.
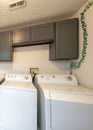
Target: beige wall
{"type": "Point", "coordinates": [85, 73]}
{"type": "Point", "coordinates": [33, 56]}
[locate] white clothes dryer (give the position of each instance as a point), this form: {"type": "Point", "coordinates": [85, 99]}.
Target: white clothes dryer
{"type": "Point", "coordinates": [18, 103]}
{"type": "Point", "coordinates": [63, 104]}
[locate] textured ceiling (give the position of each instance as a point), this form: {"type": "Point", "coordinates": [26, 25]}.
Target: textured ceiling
{"type": "Point", "coordinates": [37, 10]}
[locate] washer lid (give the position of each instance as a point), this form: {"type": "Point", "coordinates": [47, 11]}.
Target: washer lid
{"type": "Point", "coordinates": [56, 79]}
{"type": "Point", "coordinates": [18, 85]}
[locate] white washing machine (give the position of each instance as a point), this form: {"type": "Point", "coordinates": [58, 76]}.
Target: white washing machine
{"type": "Point", "coordinates": [18, 103]}
{"type": "Point", "coordinates": [63, 104]}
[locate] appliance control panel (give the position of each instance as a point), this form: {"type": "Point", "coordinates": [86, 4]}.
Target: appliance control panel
{"type": "Point", "coordinates": [18, 77]}
{"type": "Point", "coordinates": [57, 79]}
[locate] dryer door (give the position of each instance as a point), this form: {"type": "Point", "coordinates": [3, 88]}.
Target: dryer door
{"type": "Point", "coordinates": [71, 111]}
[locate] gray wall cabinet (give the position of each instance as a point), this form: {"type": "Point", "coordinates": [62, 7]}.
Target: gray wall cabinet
{"type": "Point", "coordinates": [35, 35]}
{"type": "Point", "coordinates": [42, 34]}
{"type": "Point", "coordinates": [5, 46]}
{"type": "Point", "coordinates": [21, 37]}
{"type": "Point", "coordinates": [62, 37]}
{"type": "Point", "coordinates": [65, 46]}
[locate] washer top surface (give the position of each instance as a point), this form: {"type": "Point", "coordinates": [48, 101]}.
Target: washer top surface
{"type": "Point", "coordinates": [18, 81]}
{"type": "Point", "coordinates": [18, 85]}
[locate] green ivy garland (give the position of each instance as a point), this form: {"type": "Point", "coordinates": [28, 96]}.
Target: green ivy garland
{"type": "Point", "coordinates": [76, 65]}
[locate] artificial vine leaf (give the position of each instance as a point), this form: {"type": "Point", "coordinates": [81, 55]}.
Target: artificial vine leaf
{"type": "Point", "coordinates": [76, 65]}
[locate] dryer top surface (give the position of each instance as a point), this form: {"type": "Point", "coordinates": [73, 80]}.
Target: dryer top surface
{"type": "Point", "coordinates": [74, 89]}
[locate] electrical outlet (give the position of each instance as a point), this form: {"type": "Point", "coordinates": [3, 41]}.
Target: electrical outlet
{"type": "Point", "coordinates": [34, 70]}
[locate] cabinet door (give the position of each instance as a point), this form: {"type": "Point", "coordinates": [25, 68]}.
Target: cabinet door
{"type": "Point", "coordinates": [65, 46]}
{"type": "Point", "coordinates": [42, 33]}
{"type": "Point", "coordinates": [67, 39]}
{"type": "Point", "coordinates": [5, 46]}
{"type": "Point", "coordinates": [21, 37]}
